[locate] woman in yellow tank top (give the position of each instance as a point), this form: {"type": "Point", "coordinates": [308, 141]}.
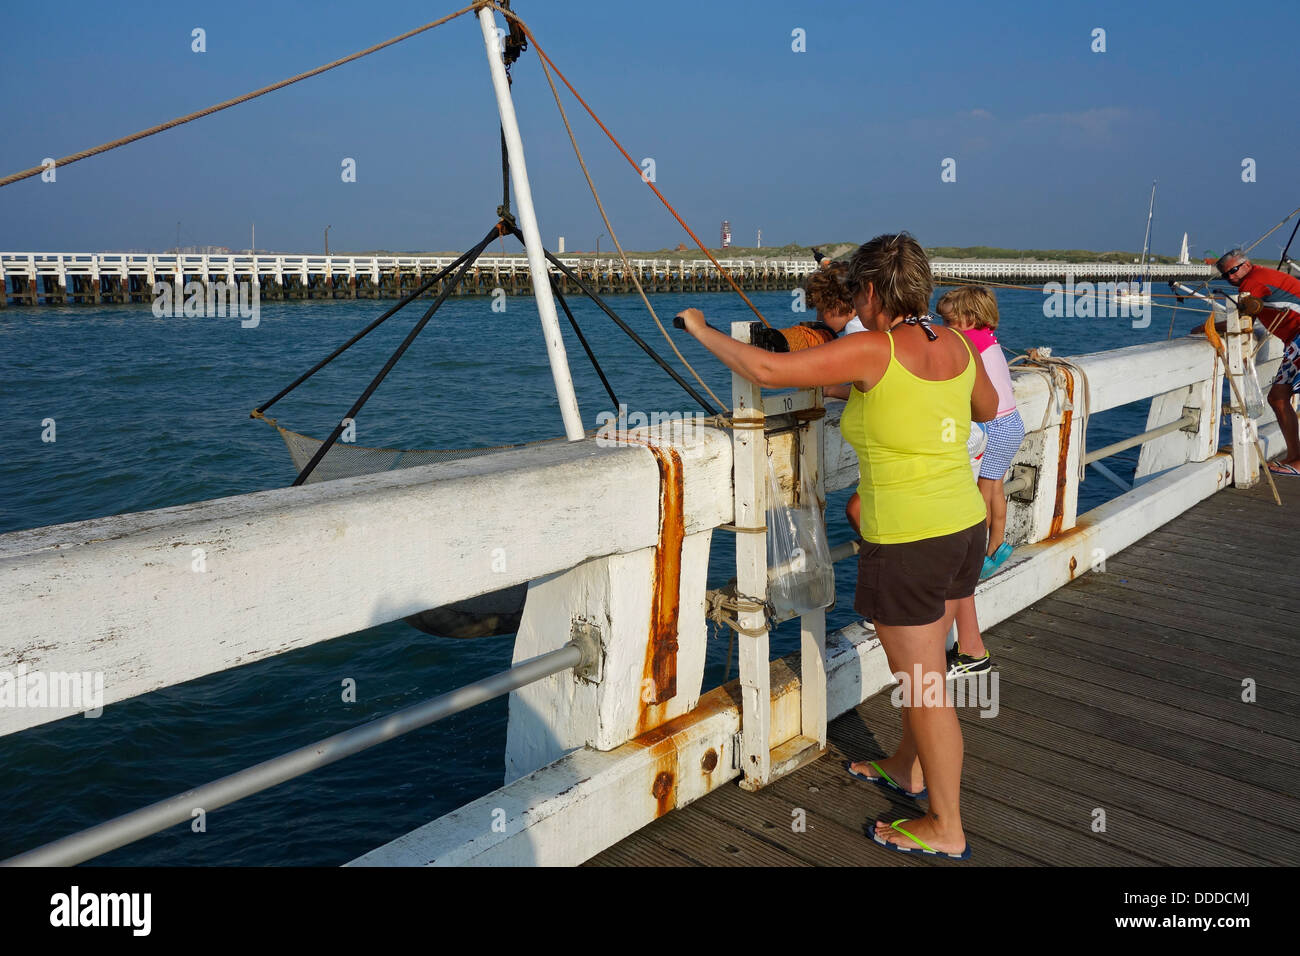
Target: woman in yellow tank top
{"type": "Point", "coordinates": [916, 390]}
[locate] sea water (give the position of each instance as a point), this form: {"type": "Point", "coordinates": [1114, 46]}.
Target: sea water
{"type": "Point", "coordinates": [149, 412]}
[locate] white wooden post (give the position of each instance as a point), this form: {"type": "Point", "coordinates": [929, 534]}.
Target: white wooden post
{"type": "Point", "coordinates": [1191, 443]}
{"type": "Point", "coordinates": [1054, 450]}
{"type": "Point", "coordinates": [1245, 459]}
{"type": "Point", "coordinates": [812, 646]}
{"type": "Point", "coordinates": [749, 459]}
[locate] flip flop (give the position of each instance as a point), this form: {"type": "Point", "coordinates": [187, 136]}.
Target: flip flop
{"type": "Point", "coordinates": [884, 780]}
{"type": "Point", "coordinates": [921, 848]}
{"type": "Point", "coordinates": [1280, 468]}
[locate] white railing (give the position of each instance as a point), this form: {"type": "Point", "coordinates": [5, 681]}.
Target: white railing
{"type": "Point", "coordinates": [62, 265]}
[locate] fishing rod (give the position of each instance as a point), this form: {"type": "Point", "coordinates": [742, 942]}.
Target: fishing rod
{"type": "Point", "coordinates": [1284, 259]}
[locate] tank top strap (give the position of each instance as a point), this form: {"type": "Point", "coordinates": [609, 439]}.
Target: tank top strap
{"type": "Point", "coordinates": [891, 346]}
{"type": "Point", "coordinates": [965, 341]}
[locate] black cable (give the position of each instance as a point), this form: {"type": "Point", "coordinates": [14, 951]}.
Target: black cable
{"type": "Point", "coordinates": [555, 288]}
{"type": "Point", "coordinates": [469, 258]}
{"type": "Point", "coordinates": [362, 334]}
{"type": "Point", "coordinates": [625, 327]}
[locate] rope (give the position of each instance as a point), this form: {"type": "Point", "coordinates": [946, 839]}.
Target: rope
{"type": "Point", "coordinates": [627, 329]}
{"type": "Point", "coordinates": [1035, 361]}
{"type": "Point", "coordinates": [546, 60]}
{"type": "Point", "coordinates": [722, 605]}
{"type": "Point", "coordinates": [85, 153]}
{"type": "Point", "coordinates": [627, 266]}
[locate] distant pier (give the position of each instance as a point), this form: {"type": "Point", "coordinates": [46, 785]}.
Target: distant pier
{"type": "Point", "coordinates": [58, 278]}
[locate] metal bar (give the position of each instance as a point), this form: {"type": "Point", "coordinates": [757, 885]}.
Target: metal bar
{"type": "Point", "coordinates": [1189, 418]}
{"type": "Point", "coordinates": [532, 234]}
{"type": "Point", "coordinates": [1015, 485]}
{"type": "Point", "coordinates": [79, 847]}
{"type": "Point", "coordinates": [1110, 476]}
{"type": "Point", "coordinates": [848, 549]}
{"type": "Point", "coordinates": [568, 314]}
{"type": "Point", "coordinates": [360, 335]}
{"type": "Point", "coordinates": [352, 412]}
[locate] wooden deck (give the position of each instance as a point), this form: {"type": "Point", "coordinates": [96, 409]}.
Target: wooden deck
{"type": "Point", "coordinates": [1120, 692]}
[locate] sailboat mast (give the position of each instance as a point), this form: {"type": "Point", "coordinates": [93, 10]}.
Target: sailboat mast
{"type": "Point", "coordinates": [532, 234]}
{"type": "Point", "coordinates": [1146, 241]}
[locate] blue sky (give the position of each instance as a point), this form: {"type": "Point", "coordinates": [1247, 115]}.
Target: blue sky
{"type": "Point", "coordinates": [1055, 145]}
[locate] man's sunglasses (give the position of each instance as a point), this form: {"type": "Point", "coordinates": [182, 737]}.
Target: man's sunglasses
{"type": "Point", "coordinates": [1231, 272]}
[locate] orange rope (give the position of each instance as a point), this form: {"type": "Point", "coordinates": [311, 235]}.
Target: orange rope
{"type": "Point", "coordinates": [805, 337]}
{"type": "Point", "coordinates": [542, 55]}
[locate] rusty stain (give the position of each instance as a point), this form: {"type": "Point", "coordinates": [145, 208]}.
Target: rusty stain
{"type": "Point", "coordinates": [710, 760]}
{"type": "Point", "coordinates": [1062, 459]}
{"type": "Point", "coordinates": [659, 672]}
{"type": "Point", "coordinates": [1074, 563]}
{"type": "Point", "coordinates": [663, 792]}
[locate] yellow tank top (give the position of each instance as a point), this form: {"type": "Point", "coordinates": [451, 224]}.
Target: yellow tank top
{"type": "Point", "coordinates": [910, 435]}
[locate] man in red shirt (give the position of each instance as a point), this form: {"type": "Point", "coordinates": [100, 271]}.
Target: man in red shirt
{"type": "Point", "coordinates": [1273, 297]}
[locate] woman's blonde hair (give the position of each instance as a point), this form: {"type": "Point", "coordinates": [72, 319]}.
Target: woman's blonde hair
{"type": "Point", "coordinates": [898, 269]}
{"type": "Point", "coordinates": [975, 301]}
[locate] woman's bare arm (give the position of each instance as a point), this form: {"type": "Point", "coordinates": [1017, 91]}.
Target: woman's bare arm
{"type": "Point", "coordinates": [838, 361]}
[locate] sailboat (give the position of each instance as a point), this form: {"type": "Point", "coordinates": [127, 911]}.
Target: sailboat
{"type": "Point", "coordinates": [1138, 292]}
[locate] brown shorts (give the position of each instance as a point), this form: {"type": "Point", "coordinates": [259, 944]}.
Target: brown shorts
{"type": "Point", "coordinates": [905, 585]}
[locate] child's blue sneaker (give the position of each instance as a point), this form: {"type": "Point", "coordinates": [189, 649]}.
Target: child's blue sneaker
{"type": "Point", "coordinates": [995, 560]}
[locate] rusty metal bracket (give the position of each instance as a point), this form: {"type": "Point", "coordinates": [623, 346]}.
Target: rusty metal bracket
{"type": "Point", "coordinates": [1192, 428]}
{"type": "Point", "coordinates": [586, 637]}
{"type": "Point", "coordinates": [737, 748]}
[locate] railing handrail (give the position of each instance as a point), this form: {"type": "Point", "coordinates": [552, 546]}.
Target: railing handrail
{"type": "Point", "coordinates": [138, 824]}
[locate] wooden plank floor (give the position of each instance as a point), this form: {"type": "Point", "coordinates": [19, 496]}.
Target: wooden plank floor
{"type": "Point", "coordinates": [1121, 692]}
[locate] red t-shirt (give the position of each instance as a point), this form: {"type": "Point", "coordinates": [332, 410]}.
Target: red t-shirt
{"type": "Point", "coordinates": [1271, 286]}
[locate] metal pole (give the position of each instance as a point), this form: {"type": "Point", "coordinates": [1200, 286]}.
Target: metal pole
{"type": "Point", "coordinates": [1189, 418]}
{"type": "Point", "coordinates": [532, 235]}
{"type": "Point", "coordinates": [125, 829]}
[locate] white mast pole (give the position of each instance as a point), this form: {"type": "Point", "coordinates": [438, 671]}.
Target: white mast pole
{"type": "Point", "coordinates": [1146, 241]}
{"type": "Point", "coordinates": [532, 235]}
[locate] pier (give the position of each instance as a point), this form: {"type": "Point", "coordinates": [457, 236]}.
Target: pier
{"type": "Point", "coordinates": [1126, 638]}
{"type": "Point", "coordinates": [1121, 692]}
{"type": "Point", "coordinates": [58, 278]}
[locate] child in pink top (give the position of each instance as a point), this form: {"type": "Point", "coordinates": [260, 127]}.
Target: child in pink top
{"type": "Point", "coordinates": [973, 311]}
